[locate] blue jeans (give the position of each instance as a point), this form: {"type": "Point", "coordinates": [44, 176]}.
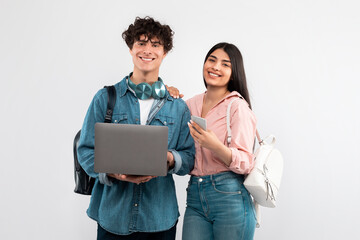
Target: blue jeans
{"type": "Point", "coordinates": [218, 207]}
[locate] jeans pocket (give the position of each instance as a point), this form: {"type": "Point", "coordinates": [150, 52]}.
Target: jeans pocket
{"type": "Point", "coordinates": [228, 186]}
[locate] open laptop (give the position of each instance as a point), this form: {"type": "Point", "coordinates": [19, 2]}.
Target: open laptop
{"type": "Point", "coordinates": [131, 149]}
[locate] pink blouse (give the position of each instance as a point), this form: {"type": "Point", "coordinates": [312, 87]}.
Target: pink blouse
{"type": "Point", "coordinates": [243, 127]}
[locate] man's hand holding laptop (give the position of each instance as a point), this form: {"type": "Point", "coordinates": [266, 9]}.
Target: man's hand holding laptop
{"type": "Point", "coordinates": [131, 178]}
{"type": "Point", "coordinates": [142, 179]}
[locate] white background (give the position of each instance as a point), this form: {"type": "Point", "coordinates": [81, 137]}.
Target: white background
{"type": "Point", "coordinates": [302, 65]}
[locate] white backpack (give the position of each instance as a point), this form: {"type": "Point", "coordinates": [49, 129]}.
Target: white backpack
{"type": "Point", "coordinates": [263, 181]}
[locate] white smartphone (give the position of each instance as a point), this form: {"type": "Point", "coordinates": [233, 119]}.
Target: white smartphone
{"type": "Point", "coordinates": [200, 121]}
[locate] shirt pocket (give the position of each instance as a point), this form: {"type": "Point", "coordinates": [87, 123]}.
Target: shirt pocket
{"type": "Point", "coordinates": [167, 121]}
{"type": "Point", "coordinates": [121, 118]}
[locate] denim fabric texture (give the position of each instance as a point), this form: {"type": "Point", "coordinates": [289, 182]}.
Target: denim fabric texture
{"type": "Point", "coordinates": [218, 207]}
{"type": "Point", "coordinates": [123, 207]}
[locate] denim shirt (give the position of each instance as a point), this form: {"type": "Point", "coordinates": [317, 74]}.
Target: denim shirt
{"type": "Point", "coordinates": [123, 207]}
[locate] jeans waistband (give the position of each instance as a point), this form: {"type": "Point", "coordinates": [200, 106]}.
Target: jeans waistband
{"type": "Point", "coordinates": [216, 177]}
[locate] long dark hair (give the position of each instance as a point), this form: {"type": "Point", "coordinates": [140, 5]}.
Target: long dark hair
{"type": "Point", "coordinates": [237, 79]}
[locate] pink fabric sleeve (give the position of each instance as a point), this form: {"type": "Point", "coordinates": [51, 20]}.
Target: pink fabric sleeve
{"type": "Point", "coordinates": [243, 127]}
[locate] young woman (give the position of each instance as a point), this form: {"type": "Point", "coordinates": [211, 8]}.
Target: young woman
{"type": "Point", "coordinates": [218, 205]}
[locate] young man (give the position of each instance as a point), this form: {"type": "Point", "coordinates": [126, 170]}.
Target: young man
{"type": "Point", "coordinates": [139, 207]}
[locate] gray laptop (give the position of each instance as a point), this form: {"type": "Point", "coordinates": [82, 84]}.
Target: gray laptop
{"type": "Point", "coordinates": [131, 149]}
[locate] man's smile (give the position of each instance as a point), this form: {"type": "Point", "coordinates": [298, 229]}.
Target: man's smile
{"type": "Point", "coordinates": [146, 59]}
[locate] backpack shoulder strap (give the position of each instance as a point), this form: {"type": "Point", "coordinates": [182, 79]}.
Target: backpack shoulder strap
{"type": "Point", "coordinates": [111, 103]}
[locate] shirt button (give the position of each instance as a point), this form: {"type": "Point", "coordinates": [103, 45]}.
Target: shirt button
{"type": "Point", "coordinates": [200, 179]}
{"type": "Point", "coordinates": [135, 205]}
{"type": "Point", "coordinates": [165, 123]}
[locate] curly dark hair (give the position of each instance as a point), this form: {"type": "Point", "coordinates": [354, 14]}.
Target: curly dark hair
{"type": "Point", "coordinates": [150, 28]}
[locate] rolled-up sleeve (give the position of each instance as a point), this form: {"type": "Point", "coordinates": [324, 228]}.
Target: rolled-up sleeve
{"type": "Point", "coordinates": [243, 128]}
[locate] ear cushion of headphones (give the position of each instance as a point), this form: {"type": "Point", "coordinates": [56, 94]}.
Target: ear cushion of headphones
{"type": "Point", "coordinates": [158, 90]}
{"type": "Point", "coordinates": [143, 91]}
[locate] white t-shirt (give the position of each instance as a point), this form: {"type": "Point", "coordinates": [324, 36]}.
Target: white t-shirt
{"type": "Point", "coordinates": [145, 107]}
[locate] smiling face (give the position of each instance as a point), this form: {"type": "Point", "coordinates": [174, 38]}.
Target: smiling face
{"type": "Point", "coordinates": [147, 55]}
{"type": "Point", "coordinates": [217, 69]}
